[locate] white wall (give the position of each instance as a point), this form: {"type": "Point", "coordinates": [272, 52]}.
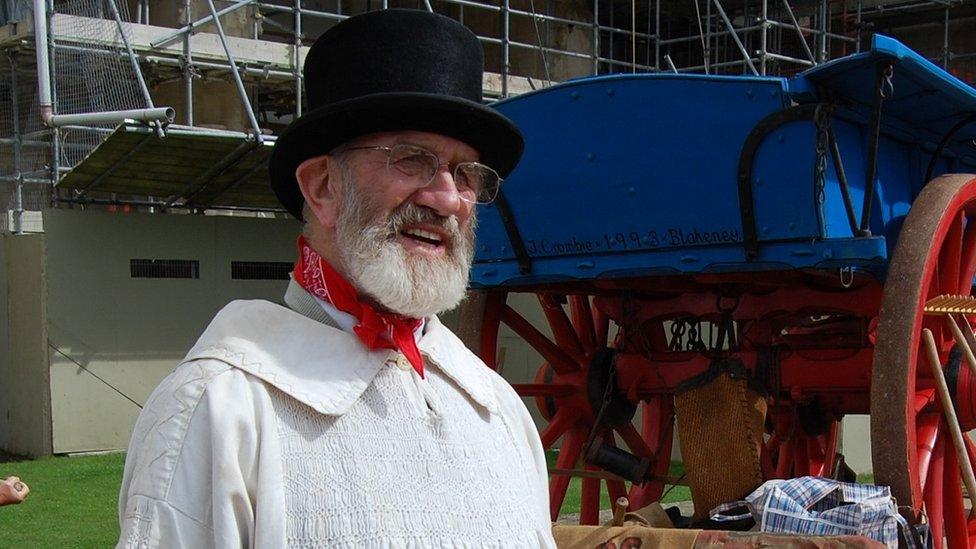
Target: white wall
{"type": "Point", "coordinates": [25, 418]}
{"type": "Point", "coordinates": [128, 331]}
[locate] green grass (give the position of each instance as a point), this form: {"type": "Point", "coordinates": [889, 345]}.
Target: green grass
{"type": "Point", "coordinates": [72, 502]}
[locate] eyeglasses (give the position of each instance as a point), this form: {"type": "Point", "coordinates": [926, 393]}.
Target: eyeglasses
{"type": "Point", "coordinates": [416, 166]}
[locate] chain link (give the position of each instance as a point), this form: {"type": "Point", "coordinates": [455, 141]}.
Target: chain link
{"type": "Point", "coordinates": [821, 119]}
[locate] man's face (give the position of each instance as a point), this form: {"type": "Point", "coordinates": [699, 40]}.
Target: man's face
{"type": "Point", "coordinates": [409, 248]}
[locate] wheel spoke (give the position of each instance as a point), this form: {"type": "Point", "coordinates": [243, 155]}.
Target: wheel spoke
{"type": "Point", "coordinates": [927, 433]}
{"type": "Point", "coordinates": [955, 517]}
{"type": "Point", "coordinates": [634, 440]}
{"type": "Point", "coordinates": [560, 361]}
{"type": "Point", "coordinates": [784, 461]}
{"type": "Point", "coordinates": [562, 329]}
{"type": "Point", "coordinates": [601, 325]}
{"type": "Point", "coordinates": [583, 321]}
{"type": "Point", "coordinates": [815, 457]}
{"type": "Point", "coordinates": [933, 491]}
{"type": "Point", "coordinates": [923, 397]}
{"type": "Point", "coordinates": [590, 499]}
{"type": "Point", "coordinates": [494, 303]}
{"type": "Point", "coordinates": [830, 446]}
{"type": "Point", "coordinates": [568, 456]}
{"type": "Point", "coordinates": [615, 488]}
{"type": "Point", "coordinates": [560, 423]}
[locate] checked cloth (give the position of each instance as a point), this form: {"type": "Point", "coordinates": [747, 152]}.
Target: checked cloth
{"type": "Point", "coordinates": [821, 506]}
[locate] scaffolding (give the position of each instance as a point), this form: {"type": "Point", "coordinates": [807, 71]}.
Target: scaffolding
{"type": "Point", "coordinates": [107, 104]}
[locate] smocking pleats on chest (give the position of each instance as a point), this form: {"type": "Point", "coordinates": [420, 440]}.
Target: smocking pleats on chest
{"type": "Point", "coordinates": [412, 460]}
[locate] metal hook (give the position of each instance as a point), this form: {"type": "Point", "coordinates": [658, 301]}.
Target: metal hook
{"type": "Point", "coordinates": [847, 281]}
{"type": "Point", "coordinates": [888, 87]}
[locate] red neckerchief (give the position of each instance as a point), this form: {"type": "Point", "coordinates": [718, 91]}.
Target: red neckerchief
{"type": "Point", "coordinates": [375, 329]}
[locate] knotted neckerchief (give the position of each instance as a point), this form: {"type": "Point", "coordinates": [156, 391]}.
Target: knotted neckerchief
{"type": "Point", "coordinates": [377, 330]}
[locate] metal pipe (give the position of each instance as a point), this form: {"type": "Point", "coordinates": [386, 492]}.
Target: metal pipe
{"type": "Point", "coordinates": [596, 37]}
{"type": "Point", "coordinates": [799, 33]}
{"type": "Point", "coordinates": [735, 37]}
{"type": "Point", "coordinates": [945, 42]}
{"type": "Point", "coordinates": [667, 59]}
{"type": "Point", "coordinates": [708, 34]}
{"type": "Point", "coordinates": [43, 68]}
{"type": "Point", "coordinates": [55, 135]}
{"type": "Point", "coordinates": [156, 114]}
{"type": "Point", "coordinates": [191, 27]}
{"type": "Point", "coordinates": [831, 35]}
{"type": "Point", "coordinates": [789, 59]}
{"type": "Point", "coordinates": [161, 204]}
{"type": "Point", "coordinates": [133, 61]}
{"type": "Point", "coordinates": [267, 73]}
{"type": "Point", "coordinates": [505, 48]}
{"type": "Point", "coordinates": [30, 180]}
{"type": "Point", "coordinates": [763, 37]}
{"type": "Point", "coordinates": [822, 24]}
{"type": "Point", "coordinates": [188, 65]}
{"type": "Point", "coordinates": [18, 216]}
{"type": "Point", "coordinates": [237, 76]}
{"type": "Point", "coordinates": [298, 66]}
{"type": "Point", "coordinates": [657, 33]}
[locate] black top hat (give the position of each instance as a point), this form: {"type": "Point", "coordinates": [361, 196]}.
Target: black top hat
{"type": "Point", "coordinates": [392, 70]}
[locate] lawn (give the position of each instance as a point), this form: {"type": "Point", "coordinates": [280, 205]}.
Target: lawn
{"type": "Point", "coordinates": [71, 503]}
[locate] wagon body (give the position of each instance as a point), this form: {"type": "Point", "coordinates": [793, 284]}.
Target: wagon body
{"type": "Point", "coordinates": [637, 175]}
{"type": "Point", "coordinates": [664, 221]}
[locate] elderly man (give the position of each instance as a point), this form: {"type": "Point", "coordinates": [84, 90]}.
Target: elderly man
{"type": "Point", "coordinates": [353, 418]}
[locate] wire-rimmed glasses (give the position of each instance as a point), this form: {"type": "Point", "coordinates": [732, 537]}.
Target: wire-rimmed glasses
{"type": "Point", "coordinates": [416, 166]}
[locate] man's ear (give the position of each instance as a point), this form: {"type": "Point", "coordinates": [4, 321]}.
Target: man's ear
{"type": "Point", "coordinates": [320, 191]}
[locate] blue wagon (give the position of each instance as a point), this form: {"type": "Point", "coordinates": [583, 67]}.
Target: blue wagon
{"type": "Point", "coordinates": [668, 222]}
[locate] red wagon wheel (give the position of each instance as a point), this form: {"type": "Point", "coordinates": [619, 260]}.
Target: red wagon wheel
{"type": "Point", "coordinates": [912, 449]}
{"type": "Point", "coordinates": [578, 332]}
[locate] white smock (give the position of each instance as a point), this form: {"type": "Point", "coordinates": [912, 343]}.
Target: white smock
{"type": "Point", "coordinates": [279, 429]}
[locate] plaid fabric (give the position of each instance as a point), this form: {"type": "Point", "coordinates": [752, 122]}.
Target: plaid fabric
{"type": "Point", "coordinates": [814, 505]}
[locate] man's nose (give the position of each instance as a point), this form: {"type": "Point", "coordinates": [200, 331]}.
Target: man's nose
{"type": "Point", "coordinates": [441, 194]}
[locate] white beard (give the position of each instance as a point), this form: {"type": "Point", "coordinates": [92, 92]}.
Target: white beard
{"type": "Point", "coordinates": [413, 285]}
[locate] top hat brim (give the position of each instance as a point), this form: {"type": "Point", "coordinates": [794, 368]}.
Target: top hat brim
{"type": "Point", "coordinates": [498, 141]}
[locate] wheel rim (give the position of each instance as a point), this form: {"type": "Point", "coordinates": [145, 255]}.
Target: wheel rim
{"type": "Point", "coordinates": [560, 392]}
{"type": "Point", "coordinates": [935, 255]}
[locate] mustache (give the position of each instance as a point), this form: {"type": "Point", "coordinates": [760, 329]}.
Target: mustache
{"type": "Point", "coordinates": [411, 214]}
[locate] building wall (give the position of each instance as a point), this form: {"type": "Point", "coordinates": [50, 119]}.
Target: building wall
{"type": "Point", "coordinates": [25, 418]}
{"type": "Point", "coordinates": [131, 332]}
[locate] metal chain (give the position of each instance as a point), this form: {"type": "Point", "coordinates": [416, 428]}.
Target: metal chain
{"type": "Point", "coordinates": [607, 395]}
{"type": "Point", "coordinates": [821, 119]}
{"type": "Point", "coordinates": [888, 87]}
{"type": "Point", "coordinates": [694, 342]}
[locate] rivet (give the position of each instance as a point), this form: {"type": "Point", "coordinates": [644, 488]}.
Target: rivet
{"type": "Point", "coordinates": [591, 157]}
{"type": "Point", "coordinates": [610, 92]}
{"type": "Point", "coordinates": [574, 95]}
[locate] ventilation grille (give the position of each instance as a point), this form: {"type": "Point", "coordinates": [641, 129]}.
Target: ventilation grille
{"type": "Point", "coordinates": [260, 270]}
{"type": "Point", "coordinates": [164, 268]}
